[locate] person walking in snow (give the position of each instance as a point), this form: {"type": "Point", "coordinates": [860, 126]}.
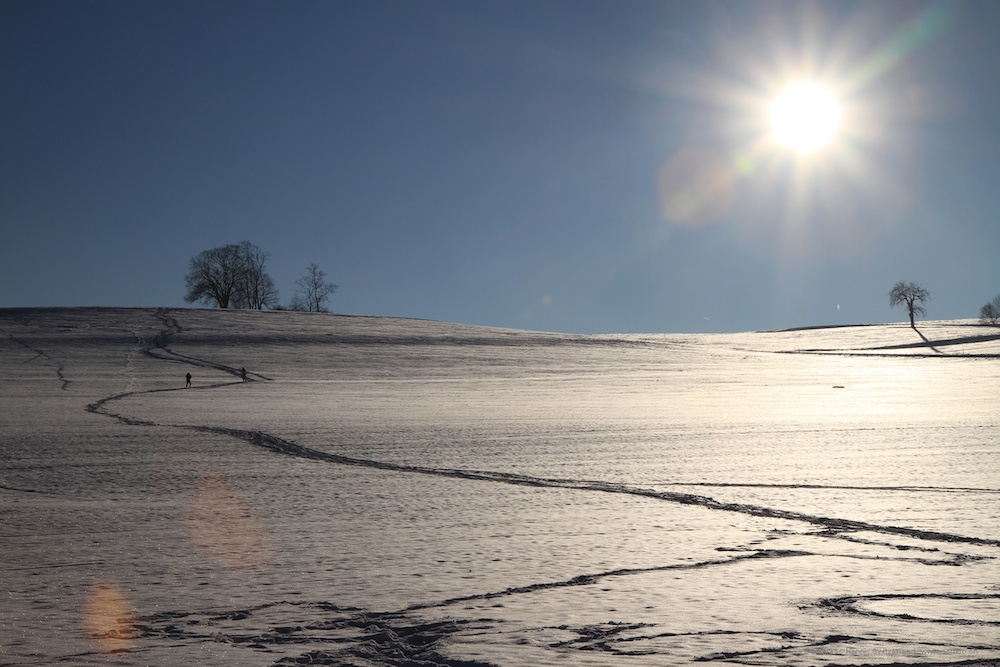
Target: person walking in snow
{"type": "Point", "coordinates": [243, 374]}
{"type": "Point", "coordinates": [188, 378]}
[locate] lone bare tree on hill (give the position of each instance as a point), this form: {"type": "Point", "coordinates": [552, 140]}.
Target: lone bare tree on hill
{"type": "Point", "coordinates": [231, 276]}
{"type": "Point", "coordinates": [312, 291]}
{"type": "Point", "coordinates": [913, 295]}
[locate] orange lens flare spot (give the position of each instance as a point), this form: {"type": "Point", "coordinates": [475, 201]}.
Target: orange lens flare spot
{"type": "Point", "coordinates": [109, 618]}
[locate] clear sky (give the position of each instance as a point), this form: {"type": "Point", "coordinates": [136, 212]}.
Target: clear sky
{"type": "Point", "coordinates": [566, 165]}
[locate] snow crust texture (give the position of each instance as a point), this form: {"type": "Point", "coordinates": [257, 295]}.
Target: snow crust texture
{"type": "Point", "coordinates": [391, 492]}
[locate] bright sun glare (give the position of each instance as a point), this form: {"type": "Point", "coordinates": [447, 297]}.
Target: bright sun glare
{"type": "Point", "coordinates": [805, 117]}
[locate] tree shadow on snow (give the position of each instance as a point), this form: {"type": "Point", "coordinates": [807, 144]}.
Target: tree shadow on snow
{"type": "Point", "coordinates": [944, 342]}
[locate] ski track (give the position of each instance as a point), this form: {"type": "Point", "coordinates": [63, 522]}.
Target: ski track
{"type": "Point", "coordinates": [60, 370]}
{"type": "Point", "coordinates": [285, 447]}
{"type": "Point", "coordinates": [395, 638]}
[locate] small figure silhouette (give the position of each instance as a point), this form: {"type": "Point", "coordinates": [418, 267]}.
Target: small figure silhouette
{"type": "Point", "coordinates": [188, 377]}
{"type": "Point", "coordinates": [243, 374]}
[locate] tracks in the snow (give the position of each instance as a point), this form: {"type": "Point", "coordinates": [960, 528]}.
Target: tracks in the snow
{"type": "Point", "coordinates": [281, 446]}
{"type": "Point", "coordinates": [332, 635]}
{"type": "Point", "coordinates": [159, 349]}
{"type": "Point", "coordinates": [288, 448]}
{"type": "Point", "coordinates": [60, 369]}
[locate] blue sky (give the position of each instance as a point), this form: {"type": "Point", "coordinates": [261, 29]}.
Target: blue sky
{"type": "Point", "coordinates": [504, 162]}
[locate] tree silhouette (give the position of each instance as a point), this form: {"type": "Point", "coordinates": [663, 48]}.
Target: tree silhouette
{"type": "Point", "coordinates": [256, 289]}
{"type": "Point", "coordinates": [213, 275]}
{"type": "Point", "coordinates": [990, 313]}
{"type": "Point", "coordinates": [312, 291]}
{"type": "Point", "coordinates": [913, 295]}
{"type": "Point", "coordinates": [231, 276]}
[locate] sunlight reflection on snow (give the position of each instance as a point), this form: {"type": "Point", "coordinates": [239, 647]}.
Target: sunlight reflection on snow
{"type": "Point", "coordinates": [519, 498]}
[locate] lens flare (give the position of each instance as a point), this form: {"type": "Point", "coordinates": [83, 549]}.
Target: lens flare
{"type": "Point", "coordinates": [696, 187]}
{"type": "Point", "coordinates": [223, 526]}
{"type": "Point", "coordinates": [109, 618]}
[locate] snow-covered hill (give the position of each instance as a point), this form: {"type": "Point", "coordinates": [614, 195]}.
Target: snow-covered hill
{"type": "Point", "coordinates": [398, 492]}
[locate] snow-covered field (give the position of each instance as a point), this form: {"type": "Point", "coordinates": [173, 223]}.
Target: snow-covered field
{"type": "Point", "coordinates": [404, 492]}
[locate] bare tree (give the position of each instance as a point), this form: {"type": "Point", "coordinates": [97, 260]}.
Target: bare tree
{"type": "Point", "coordinates": [213, 276]}
{"type": "Point", "coordinates": [256, 289]}
{"type": "Point", "coordinates": [913, 295]}
{"type": "Point", "coordinates": [231, 276]}
{"type": "Point", "coordinates": [990, 313]}
{"type": "Point", "coordinates": [312, 291]}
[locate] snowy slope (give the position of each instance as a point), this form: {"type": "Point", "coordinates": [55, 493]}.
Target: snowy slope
{"type": "Point", "coordinates": [395, 492]}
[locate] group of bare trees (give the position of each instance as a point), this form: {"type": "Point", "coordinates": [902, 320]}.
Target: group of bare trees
{"type": "Point", "coordinates": [235, 276]}
{"type": "Point", "coordinates": [990, 313]}
{"type": "Point", "coordinates": [231, 276]}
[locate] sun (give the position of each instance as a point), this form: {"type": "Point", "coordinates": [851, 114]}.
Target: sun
{"type": "Point", "coordinates": [805, 117]}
